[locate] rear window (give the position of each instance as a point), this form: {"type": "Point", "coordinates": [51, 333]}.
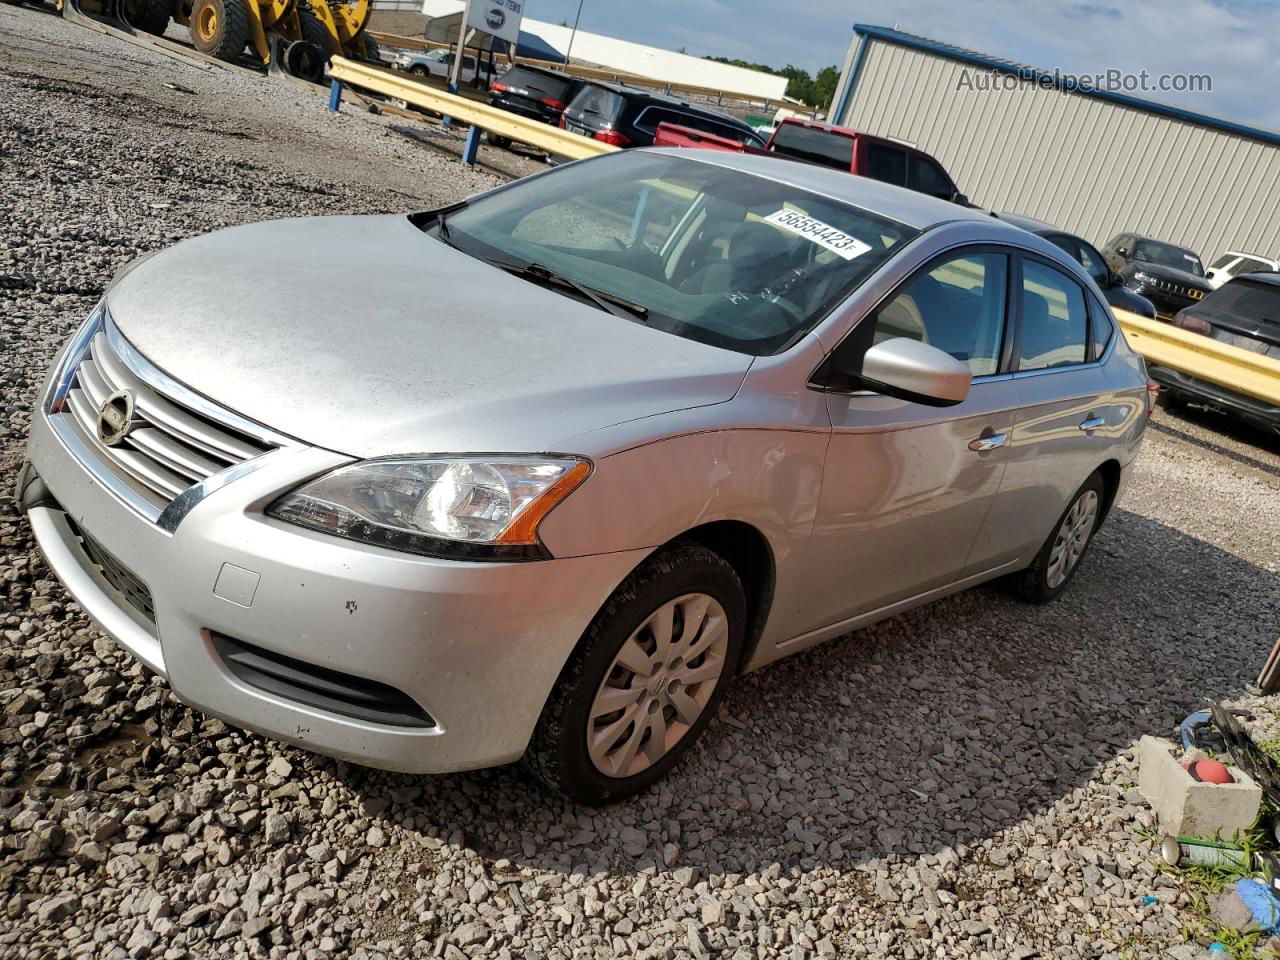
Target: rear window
{"type": "Point", "coordinates": [1250, 265]}
{"type": "Point", "coordinates": [816, 146]}
{"type": "Point", "coordinates": [925, 176]}
{"type": "Point", "coordinates": [887, 164]}
{"type": "Point", "coordinates": [538, 84]}
{"type": "Point", "coordinates": [1247, 300]}
{"type": "Point", "coordinates": [596, 103]}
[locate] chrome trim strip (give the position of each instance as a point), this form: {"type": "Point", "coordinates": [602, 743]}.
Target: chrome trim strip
{"type": "Point", "coordinates": [72, 354]}
{"type": "Point", "coordinates": [190, 498]}
{"type": "Point", "coordinates": [180, 393]}
{"type": "Point", "coordinates": [100, 472]}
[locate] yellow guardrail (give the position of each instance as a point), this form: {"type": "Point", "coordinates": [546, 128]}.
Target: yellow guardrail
{"type": "Point", "coordinates": [1168, 346]}
{"type": "Point", "coordinates": [391, 83]}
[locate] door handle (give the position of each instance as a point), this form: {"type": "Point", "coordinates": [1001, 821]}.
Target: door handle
{"type": "Point", "coordinates": [1093, 423]}
{"type": "Point", "coordinates": [984, 444]}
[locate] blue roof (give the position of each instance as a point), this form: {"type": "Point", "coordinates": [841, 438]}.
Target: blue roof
{"type": "Point", "coordinates": [1061, 81]}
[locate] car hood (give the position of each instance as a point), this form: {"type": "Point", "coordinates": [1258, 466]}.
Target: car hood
{"type": "Point", "coordinates": [366, 336]}
{"type": "Point", "coordinates": [1169, 273]}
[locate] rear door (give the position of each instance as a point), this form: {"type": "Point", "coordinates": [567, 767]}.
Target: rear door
{"type": "Point", "coordinates": [1068, 417]}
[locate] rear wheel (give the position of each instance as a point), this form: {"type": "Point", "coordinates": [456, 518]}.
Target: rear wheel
{"type": "Point", "coordinates": [419, 71]}
{"type": "Point", "coordinates": [498, 141]}
{"type": "Point", "coordinates": [1062, 554]}
{"type": "Point", "coordinates": [220, 28]}
{"type": "Point", "coordinates": [645, 680]}
{"type": "Point", "coordinates": [149, 16]}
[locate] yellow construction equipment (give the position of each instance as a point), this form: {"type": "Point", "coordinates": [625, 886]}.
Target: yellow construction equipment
{"type": "Point", "coordinates": [296, 36]}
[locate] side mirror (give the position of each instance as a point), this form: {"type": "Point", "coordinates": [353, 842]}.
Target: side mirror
{"type": "Point", "coordinates": [914, 371]}
{"type": "Point", "coordinates": [1123, 251]}
{"type": "Point", "coordinates": [961, 199]}
{"type": "Point", "coordinates": [1116, 280]}
{"type": "Point", "coordinates": [1209, 275]}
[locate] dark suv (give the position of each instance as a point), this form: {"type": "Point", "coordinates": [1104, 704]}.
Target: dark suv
{"type": "Point", "coordinates": [629, 117]}
{"type": "Point", "coordinates": [534, 93]}
{"type": "Point", "coordinates": [1171, 277]}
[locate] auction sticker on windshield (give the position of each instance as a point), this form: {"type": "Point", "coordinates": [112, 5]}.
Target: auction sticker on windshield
{"type": "Point", "coordinates": [823, 234]}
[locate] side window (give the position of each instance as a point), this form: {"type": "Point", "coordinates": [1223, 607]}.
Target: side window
{"type": "Point", "coordinates": [887, 164]}
{"type": "Point", "coordinates": [1100, 328]}
{"type": "Point", "coordinates": [650, 117]}
{"type": "Point", "coordinates": [927, 177]}
{"type": "Point", "coordinates": [1064, 244]}
{"type": "Point", "coordinates": [1093, 264]}
{"type": "Point", "coordinates": [958, 306]}
{"type": "Point", "coordinates": [1055, 323]}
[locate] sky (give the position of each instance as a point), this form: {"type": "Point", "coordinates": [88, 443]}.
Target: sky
{"type": "Point", "coordinates": [1236, 42]}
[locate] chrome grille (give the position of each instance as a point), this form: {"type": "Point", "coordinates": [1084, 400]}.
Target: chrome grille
{"type": "Point", "coordinates": [169, 447]}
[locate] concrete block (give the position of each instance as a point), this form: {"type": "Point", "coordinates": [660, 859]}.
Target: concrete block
{"type": "Point", "coordinates": [1187, 808]}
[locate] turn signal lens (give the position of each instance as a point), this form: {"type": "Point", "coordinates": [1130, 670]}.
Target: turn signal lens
{"type": "Point", "coordinates": [498, 86]}
{"type": "Point", "coordinates": [553, 103]}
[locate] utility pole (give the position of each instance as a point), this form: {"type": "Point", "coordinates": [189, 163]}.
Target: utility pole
{"type": "Point", "coordinates": [573, 34]}
{"type": "Point", "coordinates": [455, 71]}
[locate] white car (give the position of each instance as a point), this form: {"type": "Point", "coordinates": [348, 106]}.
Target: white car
{"type": "Point", "coordinates": [1233, 264]}
{"type": "Point", "coordinates": [439, 62]}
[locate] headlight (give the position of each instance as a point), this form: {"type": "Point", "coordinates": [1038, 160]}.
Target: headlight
{"type": "Point", "coordinates": [461, 508]}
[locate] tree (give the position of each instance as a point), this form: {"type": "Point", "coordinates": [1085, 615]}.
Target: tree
{"type": "Point", "coordinates": [800, 86]}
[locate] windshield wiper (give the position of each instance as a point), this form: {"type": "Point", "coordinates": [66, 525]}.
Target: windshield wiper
{"type": "Point", "coordinates": [536, 272]}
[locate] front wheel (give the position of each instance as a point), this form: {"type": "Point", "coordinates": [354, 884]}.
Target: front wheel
{"type": "Point", "coordinates": [220, 28]}
{"type": "Point", "coordinates": [645, 679]}
{"type": "Point", "coordinates": [149, 16]}
{"type": "Point", "coordinates": [1061, 555]}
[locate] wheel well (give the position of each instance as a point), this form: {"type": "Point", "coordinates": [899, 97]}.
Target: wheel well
{"type": "Point", "coordinates": [1111, 482]}
{"type": "Point", "coordinates": [745, 549]}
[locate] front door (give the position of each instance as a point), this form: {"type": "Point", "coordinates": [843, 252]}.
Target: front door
{"type": "Point", "coordinates": [907, 487]}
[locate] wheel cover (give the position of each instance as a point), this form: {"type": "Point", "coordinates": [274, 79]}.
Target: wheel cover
{"type": "Point", "coordinates": [207, 23]}
{"type": "Point", "coordinates": [658, 685]}
{"type": "Point", "coordinates": [1073, 536]}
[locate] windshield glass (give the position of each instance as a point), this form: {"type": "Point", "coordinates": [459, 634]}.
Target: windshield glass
{"type": "Point", "coordinates": [1167, 255]}
{"type": "Point", "coordinates": [709, 254]}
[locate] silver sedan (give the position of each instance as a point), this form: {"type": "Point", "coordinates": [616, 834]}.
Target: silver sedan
{"type": "Point", "coordinates": [536, 474]}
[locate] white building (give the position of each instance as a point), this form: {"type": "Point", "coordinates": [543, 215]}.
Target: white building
{"type": "Point", "coordinates": [627, 57]}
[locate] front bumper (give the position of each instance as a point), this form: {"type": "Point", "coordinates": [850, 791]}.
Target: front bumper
{"type": "Point", "coordinates": [477, 645]}
{"type": "Point", "coordinates": [1166, 304]}
{"type": "Point", "coordinates": [1258, 412]}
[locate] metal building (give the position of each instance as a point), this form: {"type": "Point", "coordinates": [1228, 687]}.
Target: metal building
{"type": "Point", "coordinates": [1095, 162]}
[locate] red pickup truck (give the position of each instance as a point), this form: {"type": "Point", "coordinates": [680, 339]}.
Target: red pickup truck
{"type": "Point", "coordinates": [832, 146]}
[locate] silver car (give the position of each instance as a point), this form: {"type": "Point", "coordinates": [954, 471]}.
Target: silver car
{"type": "Point", "coordinates": [572, 453]}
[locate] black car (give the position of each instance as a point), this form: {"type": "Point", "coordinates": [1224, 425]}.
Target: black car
{"type": "Point", "coordinates": [1170, 276]}
{"type": "Point", "coordinates": [1081, 251]}
{"type": "Point", "coordinates": [629, 116]}
{"type": "Point", "coordinates": [534, 93]}
{"type": "Point", "coordinates": [1245, 313]}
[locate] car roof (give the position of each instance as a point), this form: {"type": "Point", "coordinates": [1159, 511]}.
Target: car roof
{"type": "Point", "coordinates": [853, 134]}
{"type": "Point", "coordinates": [1251, 256]}
{"type": "Point", "coordinates": [546, 72]}
{"type": "Point", "coordinates": [908, 207]}
{"type": "Point", "coordinates": [1029, 224]}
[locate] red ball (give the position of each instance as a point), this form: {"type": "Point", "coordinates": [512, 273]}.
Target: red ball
{"type": "Point", "coordinates": [1210, 771]}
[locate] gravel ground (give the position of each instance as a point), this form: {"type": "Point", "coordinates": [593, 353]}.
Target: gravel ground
{"type": "Point", "coordinates": [956, 782]}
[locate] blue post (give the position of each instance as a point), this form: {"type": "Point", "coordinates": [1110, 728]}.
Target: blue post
{"type": "Point", "coordinates": [335, 95]}
{"type": "Point", "coordinates": [445, 119]}
{"type": "Point", "coordinates": [472, 145]}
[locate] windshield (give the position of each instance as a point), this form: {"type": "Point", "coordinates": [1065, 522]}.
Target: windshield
{"type": "Point", "coordinates": [705, 253]}
{"type": "Point", "coordinates": [1167, 255]}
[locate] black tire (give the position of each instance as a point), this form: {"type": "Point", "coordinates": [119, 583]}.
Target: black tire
{"type": "Point", "coordinates": [228, 36]}
{"type": "Point", "coordinates": [314, 31]}
{"type": "Point", "coordinates": [149, 16]}
{"type": "Point", "coordinates": [418, 70]}
{"type": "Point", "coordinates": [304, 60]}
{"type": "Point", "coordinates": [1033, 584]}
{"type": "Point", "coordinates": [557, 754]}
{"type": "Point", "coordinates": [503, 143]}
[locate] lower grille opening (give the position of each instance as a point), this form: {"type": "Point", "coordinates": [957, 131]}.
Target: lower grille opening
{"type": "Point", "coordinates": [132, 590]}
{"type": "Point", "coordinates": [319, 687]}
